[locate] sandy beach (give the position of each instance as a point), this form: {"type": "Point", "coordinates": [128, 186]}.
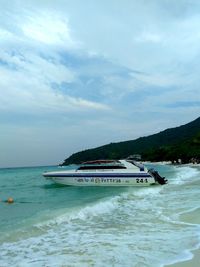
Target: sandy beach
{"type": "Point", "coordinates": [170, 163]}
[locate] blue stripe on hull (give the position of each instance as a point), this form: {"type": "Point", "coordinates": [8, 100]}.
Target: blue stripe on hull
{"type": "Point", "coordinates": [139, 175]}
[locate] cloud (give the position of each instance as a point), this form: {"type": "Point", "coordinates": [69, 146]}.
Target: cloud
{"type": "Point", "coordinates": [5, 35]}
{"type": "Point", "coordinates": [156, 79]}
{"type": "Point", "coordinates": [184, 104]}
{"type": "Point", "coordinates": [29, 89]}
{"type": "Point", "coordinates": [31, 75]}
{"type": "Point", "coordinates": [148, 37]}
{"type": "Point", "coordinates": [49, 29]}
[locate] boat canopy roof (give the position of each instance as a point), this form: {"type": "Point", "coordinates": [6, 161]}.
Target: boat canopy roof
{"type": "Point", "coordinates": [110, 164]}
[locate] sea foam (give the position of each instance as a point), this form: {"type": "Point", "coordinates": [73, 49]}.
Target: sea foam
{"type": "Point", "coordinates": [185, 175]}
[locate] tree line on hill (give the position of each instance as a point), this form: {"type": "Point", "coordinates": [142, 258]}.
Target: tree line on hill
{"type": "Point", "coordinates": [182, 142]}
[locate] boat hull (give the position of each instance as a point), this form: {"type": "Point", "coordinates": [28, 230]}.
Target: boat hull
{"type": "Point", "coordinates": [107, 173]}
{"type": "Point", "coordinates": [87, 180]}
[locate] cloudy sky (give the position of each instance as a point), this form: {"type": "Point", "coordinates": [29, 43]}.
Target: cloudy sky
{"type": "Point", "coordinates": [79, 74]}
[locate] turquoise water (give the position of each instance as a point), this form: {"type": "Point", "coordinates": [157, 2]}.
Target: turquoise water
{"type": "Point", "coordinates": [52, 225]}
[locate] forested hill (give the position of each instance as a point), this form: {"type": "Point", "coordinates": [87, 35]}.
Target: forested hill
{"type": "Point", "coordinates": [171, 144]}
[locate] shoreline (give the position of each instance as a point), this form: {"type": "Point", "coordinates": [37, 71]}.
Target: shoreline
{"type": "Point", "coordinates": [193, 262]}
{"type": "Point", "coordinates": [193, 259]}
{"type": "Point", "coordinates": [173, 164]}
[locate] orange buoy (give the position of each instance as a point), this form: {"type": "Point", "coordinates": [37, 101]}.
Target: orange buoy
{"type": "Point", "coordinates": [10, 200]}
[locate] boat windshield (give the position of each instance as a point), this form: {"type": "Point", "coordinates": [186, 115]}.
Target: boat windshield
{"type": "Point", "coordinates": [102, 164]}
{"type": "Point", "coordinates": [100, 167]}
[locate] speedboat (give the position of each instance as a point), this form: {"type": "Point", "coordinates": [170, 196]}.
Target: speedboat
{"type": "Point", "coordinates": [107, 173]}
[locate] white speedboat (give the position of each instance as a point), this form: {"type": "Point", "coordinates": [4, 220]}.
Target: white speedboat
{"type": "Point", "coordinates": [107, 173]}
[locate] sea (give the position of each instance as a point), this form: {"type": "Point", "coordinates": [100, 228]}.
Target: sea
{"type": "Point", "coordinates": [52, 225]}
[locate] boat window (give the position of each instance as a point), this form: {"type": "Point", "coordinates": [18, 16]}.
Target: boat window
{"type": "Point", "coordinates": [100, 167]}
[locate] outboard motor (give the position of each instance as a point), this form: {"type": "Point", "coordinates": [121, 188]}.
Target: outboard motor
{"type": "Point", "coordinates": [157, 177]}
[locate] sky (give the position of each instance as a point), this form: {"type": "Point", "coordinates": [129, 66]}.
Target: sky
{"type": "Point", "coordinates": [79, 74]}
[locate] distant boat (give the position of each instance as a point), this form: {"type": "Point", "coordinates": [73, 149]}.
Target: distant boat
{"type": "Point", "coordinates": [107, 173]}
